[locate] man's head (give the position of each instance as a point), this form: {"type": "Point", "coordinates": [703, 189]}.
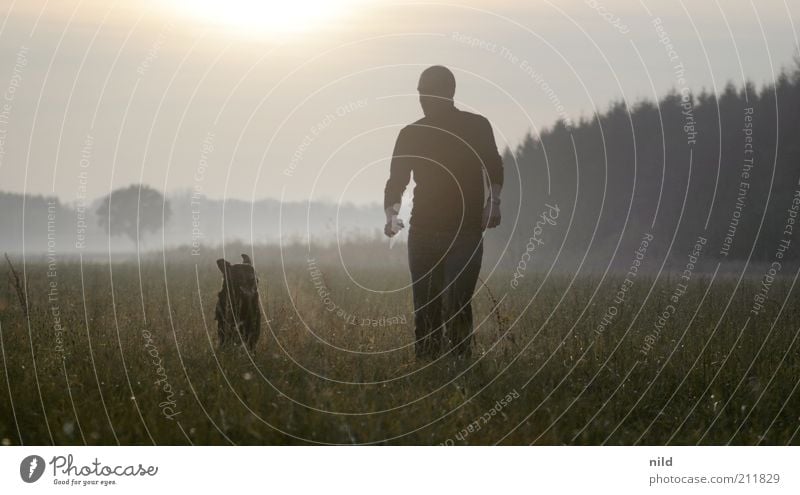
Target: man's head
{"type": "Point", "coordinates": [436, 87]}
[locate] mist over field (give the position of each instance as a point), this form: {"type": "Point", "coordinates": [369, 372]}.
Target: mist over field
{"type": "Point", "coordinates": [631, 172]}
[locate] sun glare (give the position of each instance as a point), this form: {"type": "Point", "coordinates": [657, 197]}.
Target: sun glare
{"type": "Point", "coordinates": [267, 16]}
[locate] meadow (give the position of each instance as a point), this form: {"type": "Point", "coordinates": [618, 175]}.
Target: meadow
{"type": "Point", "coordinates": [124, 352]}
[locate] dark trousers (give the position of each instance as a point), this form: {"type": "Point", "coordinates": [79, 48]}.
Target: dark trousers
{"type": "Point", "coordinates": [444, 271]}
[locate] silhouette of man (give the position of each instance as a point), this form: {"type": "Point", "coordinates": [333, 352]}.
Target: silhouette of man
{"type": "Point", "coordinates": [458, 175]}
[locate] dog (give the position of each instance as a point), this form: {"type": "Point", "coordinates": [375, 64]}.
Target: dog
{"type": "Point", "coordinates": [238, 312]}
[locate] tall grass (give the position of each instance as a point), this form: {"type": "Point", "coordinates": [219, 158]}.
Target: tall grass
{"type": "Point", "coordinates": [322, 377]}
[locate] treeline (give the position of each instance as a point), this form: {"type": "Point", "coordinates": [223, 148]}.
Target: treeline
{"type": "Point", "coordinates": [724, 167]}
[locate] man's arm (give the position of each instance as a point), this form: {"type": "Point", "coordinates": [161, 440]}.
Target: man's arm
{"type": "Point", "coordinates": [399, 176]}
{"type": "Point", "coordinates": [493, 165]}
{"type": "Point", "coordinates": [492, 161]}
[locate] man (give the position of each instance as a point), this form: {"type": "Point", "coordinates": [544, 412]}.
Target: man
{"type": "Point", "coordinates": [452, 155]}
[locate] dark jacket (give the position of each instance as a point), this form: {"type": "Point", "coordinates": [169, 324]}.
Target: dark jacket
{"type": "Point", "coordinates": [452, 156]}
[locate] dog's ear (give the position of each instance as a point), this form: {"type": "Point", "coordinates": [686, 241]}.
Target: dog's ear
{"type": "Point", "coordinates": [246, 260]}
{"type": "Point", "coordinates": [223, 265]}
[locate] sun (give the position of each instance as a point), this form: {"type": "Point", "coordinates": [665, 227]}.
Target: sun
{"type": "Point", "coordinates": [267, 16]}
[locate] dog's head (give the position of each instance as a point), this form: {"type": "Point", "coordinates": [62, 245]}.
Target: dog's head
{"type": "Point", "coordinates": [239, 281]}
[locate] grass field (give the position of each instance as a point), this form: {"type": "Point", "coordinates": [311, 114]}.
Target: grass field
{"type": "Point", "coordinates": [126, 353]}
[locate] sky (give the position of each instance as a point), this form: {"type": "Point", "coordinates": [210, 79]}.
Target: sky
{"type": "Point", "coordinates": [303, 100]}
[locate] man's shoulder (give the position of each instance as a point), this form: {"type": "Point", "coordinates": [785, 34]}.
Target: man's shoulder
{"type": "Point", "coordinates": [474, 118]}
{"type": "Point", "coordinates": [417, 124]}
{"type": "Point", "coordinates": [425, 122]}
{"type": "Point", "coordinates": [464, 118]}
{"type": "Point", "coordinates": [414, 129]}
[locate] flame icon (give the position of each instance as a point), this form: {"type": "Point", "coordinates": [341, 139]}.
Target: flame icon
{"type": "Point", "coordinates": [31, 468]}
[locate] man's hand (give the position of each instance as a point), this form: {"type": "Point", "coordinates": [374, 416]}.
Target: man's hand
{"type": "Point", "coordinates": [491, 212]}
{"type": "Point", "coordinates": [491, 215]}
{"type": "Point", "coordinates": [393, 223]}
